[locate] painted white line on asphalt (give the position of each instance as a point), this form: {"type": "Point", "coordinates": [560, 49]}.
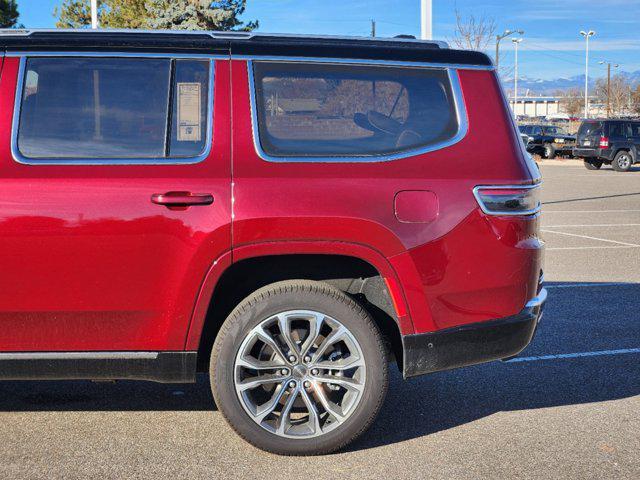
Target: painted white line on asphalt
{"type": "Point", "coordinates": [560, 356]}
{"type": "Point", "coordinates": [580, 285]}
{"type": "Point", "coordinates": [605, 247]}
{"type": "Point", "coordinates": [596, 225]}
{"type": "Point", "coordinates": [549, 249]}
{"type": "Point", "coordinates": [587, 211]}
{"type": "Point", "coordinates": [591, 238]}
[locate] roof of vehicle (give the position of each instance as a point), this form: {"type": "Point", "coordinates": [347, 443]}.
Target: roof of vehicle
{"type": "Point", "coordinates": [600, 120]}
{"type": "Point", "coordinates": [239, 43]}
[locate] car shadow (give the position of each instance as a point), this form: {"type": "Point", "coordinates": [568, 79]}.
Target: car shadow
{"type": "Point", "coordinates": [573, 323]}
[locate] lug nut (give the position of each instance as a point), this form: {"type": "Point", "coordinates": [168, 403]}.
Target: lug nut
{"type": "Point", "coordinates": [307, 384]}
{"type": "Point", "coordinates": [292, 384]}
{"type": "Point", "coordinates": [315, 371]}
{"type": "Point", "coordinates": [307, 359]}
{"type": "Point", "coordinates": [292, 358]}
{"type": "Point", "coordinates": [284, 371]}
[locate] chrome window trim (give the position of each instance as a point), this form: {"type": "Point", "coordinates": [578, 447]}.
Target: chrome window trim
{"type": "Point", "coordinates": [114, 54]}
{"type": "Point", "coordinates": [458, 101]}
{"type": "Point", "coordinates": [493, 213]}
{"type": "Point", "coordinates": [362, 61]}
{"type": "Point", "coordinates": [15, 123]}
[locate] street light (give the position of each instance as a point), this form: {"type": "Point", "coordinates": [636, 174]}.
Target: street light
{"type": "Point", "coordinates": [500, 37]}
{"type": "Point", "coordinates": [608, 64]}
{"type": "Point", "coordinates": [516, 42]}
{"type": "Point", "coordinates": [586, 36]}
{"type": "Point", "coordinates": [94, 14]}
{"type": "Point", "coordinates": [426, 20]}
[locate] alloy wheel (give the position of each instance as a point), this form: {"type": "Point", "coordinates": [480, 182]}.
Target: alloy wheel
{"type": "Point", "coordinates": [299, 374]}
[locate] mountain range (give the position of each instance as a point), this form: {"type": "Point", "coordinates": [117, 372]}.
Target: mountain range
{"type": "Point", "coordinates": [535, 86]}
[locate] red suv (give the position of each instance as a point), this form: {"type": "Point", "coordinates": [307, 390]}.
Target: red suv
{"type": "Point", "coordinates": [286, 213]}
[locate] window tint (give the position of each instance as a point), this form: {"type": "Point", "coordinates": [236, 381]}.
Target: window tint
{"type": "Point", "coordinates": [634, 129]}
{"type": "Point", "coordinates": [349, 110]}
{"type": "Point", "coordinates": [113, 108]}
{"type": "Point", "coordinates": [590, 128]}
{"type": "Point", "coordinates": [537, 131]}
{"type": "Point", "coordinates": [616, 129]}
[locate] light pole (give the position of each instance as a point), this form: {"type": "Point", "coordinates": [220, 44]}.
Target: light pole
{"type": "Point", "coordinates": [499, 38]}
{"type": "Point", "coordinates": [94, 14]}
{"type": "Point", "coordinates": [516, 42]}
{"type": "Point", "coordinates": [608, 64]}
{"type": "Point", "coordinates": [586, 35]}
{"type": "Point", "coordinates": [426, 19]}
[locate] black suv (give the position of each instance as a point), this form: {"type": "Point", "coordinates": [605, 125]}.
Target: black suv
{"type": "Point", "coordinates": [548, 140]}
{"type": "Point", "coordinates": [614, 142]}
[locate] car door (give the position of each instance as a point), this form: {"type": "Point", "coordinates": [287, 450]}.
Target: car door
{"type": "Point", "coordinates": [114, 197]}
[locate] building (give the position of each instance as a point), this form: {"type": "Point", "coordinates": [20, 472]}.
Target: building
{"type": "Point", "coordinates": [536, 106]}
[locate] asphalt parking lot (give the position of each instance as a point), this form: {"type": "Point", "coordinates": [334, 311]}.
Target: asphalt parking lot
{"type": "Point", "coordinates": [569, 407]}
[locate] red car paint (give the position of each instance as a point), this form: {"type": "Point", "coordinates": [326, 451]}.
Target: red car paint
{"type": "Point", "coordinates": [90, 262]}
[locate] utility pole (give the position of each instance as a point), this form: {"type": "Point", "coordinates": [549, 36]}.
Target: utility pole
{"type": "Point", "coordinates": [586, 35]}
{"type": "Point", "coordinates": [94, 14]}
{"type": "Point", "coordinates": [516, 42]}
{"type": "Point", "coordinates": [426, 19]}
{"type": "Point", "coordinates": [608, 85]}
{"type": "Point", "coordinates": [373, 28]}
{"type": "Point", "coordinates": [499, 38]}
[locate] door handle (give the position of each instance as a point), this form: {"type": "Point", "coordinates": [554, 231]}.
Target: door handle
{"type": "Point", "coordinates": [181, 199]}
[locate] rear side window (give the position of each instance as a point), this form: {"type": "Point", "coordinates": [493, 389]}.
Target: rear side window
{"type": "Point", "coordinates": [316, 110]}
{"type": "Point", "coordinates": [113, 108]}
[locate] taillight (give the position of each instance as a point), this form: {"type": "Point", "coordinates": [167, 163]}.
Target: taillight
{"type": "Point", "coordinates": [604, 142]}
{"type": "Point", "coordinates": [508, 200]}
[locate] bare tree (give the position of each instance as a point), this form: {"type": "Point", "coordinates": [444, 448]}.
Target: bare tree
{"type": "Point", "coordinates": [618, 94]}
{"type": "Point", "coordinates": [473, 33]}
{"type": "Point", "coordinates": [635, 100]}
{"type": "Point", "coordinates": [571, 101]}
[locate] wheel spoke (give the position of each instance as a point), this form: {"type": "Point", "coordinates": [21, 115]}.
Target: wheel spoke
{"type": "Point", "coordinates": [330, 339]}
{"type": "Point", "coordinates": [285, 330]}
{"type": "Point", "coordinates": [262, 412]}
{"type": "Point", "coordinates": [314, 416]}
{"type": "Point", "coordinates": [284, 422]}
{"type": "Point", "coordinates": [315, 325]}
{"type": "Point", "coordinates": [346, 382]}
{"type": "Point", "coordinates": [255, 364]}
{"type": "Point", "coordinates": [254, 382]}
{"type": "Point", "coordinates": [328, 406]}
{"type": "Point", "coordinates": [264, 336]}
{"type": "Point", "coordinates": [350, 362]}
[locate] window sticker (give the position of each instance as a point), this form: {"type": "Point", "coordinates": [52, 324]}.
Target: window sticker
{"type": "Point", "coordinates": [189, 112]}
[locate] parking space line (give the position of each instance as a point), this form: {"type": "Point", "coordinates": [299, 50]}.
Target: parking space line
{"type": "Point", "coordinates": [596, 225]}
{"type": "Point", "coordinates": [600, 353]}
{"type": "Point", "coordinates": [545, 211]}
{"type": "Point", "coordinates": [548, 249]}
{"type": "Point", "coordinates": [591, 238]}
{"type": "Point", "coordinates": [581, 285]}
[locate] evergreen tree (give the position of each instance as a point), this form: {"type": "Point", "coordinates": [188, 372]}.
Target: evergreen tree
{"type": "Point", "coordinates": [8, 13]}
{"type": "Point", "coordinates": [198, 15]}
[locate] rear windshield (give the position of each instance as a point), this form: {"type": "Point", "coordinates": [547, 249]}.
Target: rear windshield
{"type": "Point", "coordinates": [319, 110]}
{"type": "Point", "coordinates": [590, 128]}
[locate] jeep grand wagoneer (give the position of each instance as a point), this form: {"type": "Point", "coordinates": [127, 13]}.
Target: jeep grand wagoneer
{"type": "Point", "coordinates": [286, 213]}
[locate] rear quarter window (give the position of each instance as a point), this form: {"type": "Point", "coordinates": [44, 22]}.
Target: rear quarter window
{"type": "Point", "coordinates": [590, 128]}
{"type": "Point", "coordinates": [322, 110]}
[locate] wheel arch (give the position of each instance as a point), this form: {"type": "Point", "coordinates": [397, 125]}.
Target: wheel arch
{"type": "Point", "coordinates": [359, 271]}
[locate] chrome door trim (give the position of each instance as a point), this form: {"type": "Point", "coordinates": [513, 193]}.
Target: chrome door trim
{"type": "Point", "coordinates": [458, 100]}
{"type": "Point", "coordinates": [15, 124]}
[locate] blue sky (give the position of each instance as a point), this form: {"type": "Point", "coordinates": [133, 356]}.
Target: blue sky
{"type": "Point", "coordinates": [552, 47]}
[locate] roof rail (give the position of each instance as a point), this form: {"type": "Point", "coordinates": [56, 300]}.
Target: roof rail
{"type": "Point", "coordinates": [15, 32]}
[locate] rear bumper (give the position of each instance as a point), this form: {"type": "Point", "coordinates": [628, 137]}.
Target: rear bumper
{"type": "Point", "coordinates": [472, 344]}
{"type": "Point", "coordinates": [599, 153]}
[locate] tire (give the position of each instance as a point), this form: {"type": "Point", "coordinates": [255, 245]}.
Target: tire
{"type": "Point", "coordinates": [593, 164]}
{"type": "Point", "coordinates": [549, 151]}
{"type": "Point", "coordinates": [622, 161]}
{"type": "Point", "coordinates": [242, 342]}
